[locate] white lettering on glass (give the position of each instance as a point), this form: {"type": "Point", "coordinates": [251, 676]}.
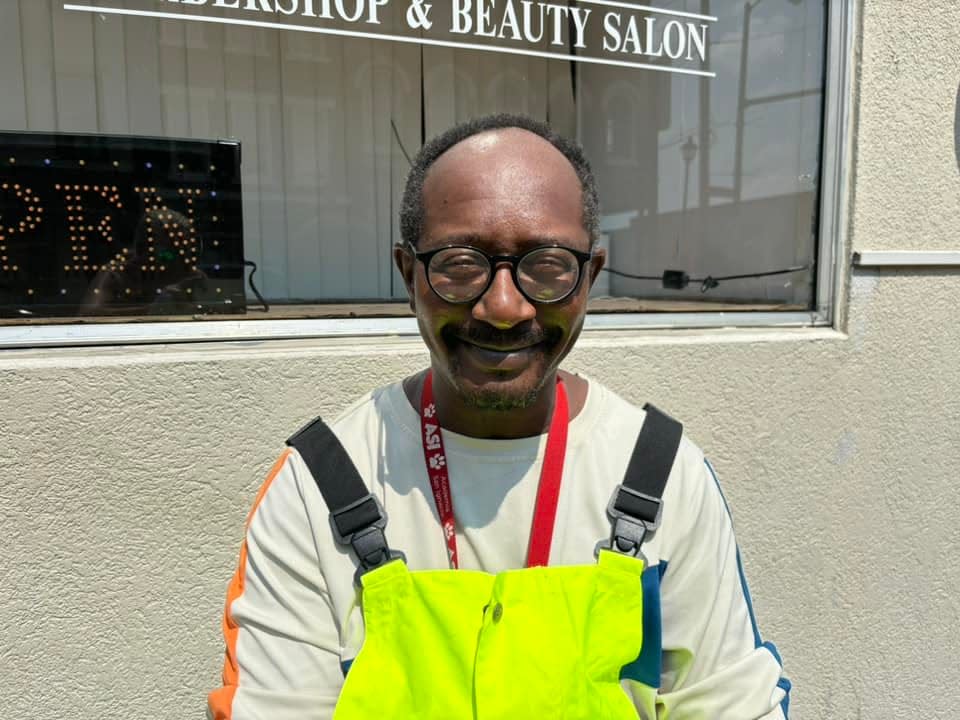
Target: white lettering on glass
{"type": "Point", "coordinates": [626, 36]}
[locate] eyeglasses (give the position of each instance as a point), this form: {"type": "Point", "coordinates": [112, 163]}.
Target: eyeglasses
{"type": "Point", "coordinates": [461, 274]}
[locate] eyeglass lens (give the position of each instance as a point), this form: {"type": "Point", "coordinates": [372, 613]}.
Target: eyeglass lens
{"type": "Point", "coordinates": [462, 274]}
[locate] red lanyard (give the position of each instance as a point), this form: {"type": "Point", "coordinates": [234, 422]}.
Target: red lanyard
{"type": "Point", "coordinates": [548, 492]}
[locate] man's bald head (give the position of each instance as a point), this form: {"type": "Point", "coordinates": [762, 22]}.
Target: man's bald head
{"type": "Point", "coordinates": [412, 209]}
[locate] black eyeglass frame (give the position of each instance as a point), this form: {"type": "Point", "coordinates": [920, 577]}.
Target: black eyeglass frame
{"type": "Point", "coordinates": [493, 261]}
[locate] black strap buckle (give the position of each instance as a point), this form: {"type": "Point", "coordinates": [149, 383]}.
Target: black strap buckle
{"type": "Point", "coordinates": [630, 527]}
{"type": "Point", "coordinates": [369, 542]}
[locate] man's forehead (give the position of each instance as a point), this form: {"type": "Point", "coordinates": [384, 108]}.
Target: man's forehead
{"type": "Point", "coordinates": [507, 155]}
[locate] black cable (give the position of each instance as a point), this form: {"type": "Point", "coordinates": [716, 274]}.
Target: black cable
{"type": "Point", "coordinates": [396, 134]}
{"type": "Point", "coordinates": [794, 269]}
{"type": "Point", "coordinates": [709, 282]}
{"type": "Point", "coordinates": [631, 276]}
{"type": "Point", "coordinates": [678, 279]}
{"type": "Point", "coordinates": [251, 263]}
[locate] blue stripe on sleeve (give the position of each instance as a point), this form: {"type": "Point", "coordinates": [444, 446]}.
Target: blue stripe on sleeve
{"type": "Point", "coordinates": [758, 642]}
{"type": "Point", "coordinates": [786, 686]}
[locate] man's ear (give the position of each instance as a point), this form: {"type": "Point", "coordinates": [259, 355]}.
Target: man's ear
{"type": "Point", "coordinates": [597, 262]}
{"type": "Point", "coordinates": [406, 263]}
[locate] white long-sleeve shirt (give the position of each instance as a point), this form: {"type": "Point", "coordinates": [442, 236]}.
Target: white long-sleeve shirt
{"type": "Point", "coordinates": [292, 624]}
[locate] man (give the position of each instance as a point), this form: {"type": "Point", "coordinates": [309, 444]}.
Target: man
{"type": "Point", "coordinates": [499, 224]}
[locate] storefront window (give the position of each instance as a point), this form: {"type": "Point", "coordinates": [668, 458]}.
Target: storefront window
{"type": "Point", "coordinates": [155, 155]}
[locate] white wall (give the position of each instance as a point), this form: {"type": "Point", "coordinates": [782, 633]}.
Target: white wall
{"type": "Point", "coordinates": [125, 474]}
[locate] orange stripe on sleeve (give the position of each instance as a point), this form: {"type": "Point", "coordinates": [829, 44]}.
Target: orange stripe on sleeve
{"type": "Point", "coordinates": [220, 701]}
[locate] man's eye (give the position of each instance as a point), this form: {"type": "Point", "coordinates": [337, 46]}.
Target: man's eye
{"type": "Point", "coordinates": [549, 263]}
{"type": "Point", "coordinates": [548, 267]}
{"type": "Point", "coordinates": [460, 263]}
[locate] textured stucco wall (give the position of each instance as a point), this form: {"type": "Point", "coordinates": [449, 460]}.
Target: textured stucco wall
{"type": "Point", "coordinates": [908, 188]}
{"type": "Point", "coordinates": [125, 474]}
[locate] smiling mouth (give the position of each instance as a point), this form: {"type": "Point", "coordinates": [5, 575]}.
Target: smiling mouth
{"type": "Point", "coordinates": [504, 349]}
{"type": "Point", "coordinates": [499, 358]}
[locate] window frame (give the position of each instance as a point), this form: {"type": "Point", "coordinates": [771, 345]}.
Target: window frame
{"type": "Point", "coordinates": [832, 263]}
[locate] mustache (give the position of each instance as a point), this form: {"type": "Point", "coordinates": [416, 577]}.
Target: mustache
{"type": "Point", "coordinates": [525, 334]}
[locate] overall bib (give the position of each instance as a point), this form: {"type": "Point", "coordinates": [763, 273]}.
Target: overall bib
{"type": "Point", "coordinates": [539, 642]}
{"type": "Point", "coordinates": [544, 642]}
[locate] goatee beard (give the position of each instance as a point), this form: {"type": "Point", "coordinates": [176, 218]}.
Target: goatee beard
{"type": "Point", "coordinates": [499, 401]}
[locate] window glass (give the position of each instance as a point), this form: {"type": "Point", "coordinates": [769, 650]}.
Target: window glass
{"type": "Point", "coordinates": [172, 160]}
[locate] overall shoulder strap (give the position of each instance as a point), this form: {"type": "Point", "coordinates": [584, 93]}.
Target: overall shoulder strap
{"type": "Point", "coordinates": [636, 504]}
{"type": "Point", "coordinates": [357, 517]}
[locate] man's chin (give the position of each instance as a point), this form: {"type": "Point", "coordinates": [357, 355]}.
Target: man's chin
{"type": "Point", "coordinates": [498, 400]}
{"type": "Point", "coordinates": [500, 393]}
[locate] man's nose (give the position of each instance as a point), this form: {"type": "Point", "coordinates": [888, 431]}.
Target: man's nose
{"type": "Point", "coordinates": [503, 305]}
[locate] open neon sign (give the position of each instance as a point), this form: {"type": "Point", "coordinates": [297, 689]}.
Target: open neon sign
{"type": "Point", "coordinates": [109, 225]}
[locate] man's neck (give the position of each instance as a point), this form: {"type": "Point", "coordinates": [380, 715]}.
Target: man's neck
{"type": "Point", "coordinates": [459, 417]}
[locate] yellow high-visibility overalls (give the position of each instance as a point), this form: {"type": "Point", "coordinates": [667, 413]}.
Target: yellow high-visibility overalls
{"type": "Point", "coordinates": [541, 642]}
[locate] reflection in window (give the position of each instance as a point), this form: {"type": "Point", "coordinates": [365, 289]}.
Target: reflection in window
{"type": "Point", "coordinates": [620, 114]}
{"type": "Point", "coordinates": [709, 177]}
{"type": "Point", "coordinates": [735, 165]}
